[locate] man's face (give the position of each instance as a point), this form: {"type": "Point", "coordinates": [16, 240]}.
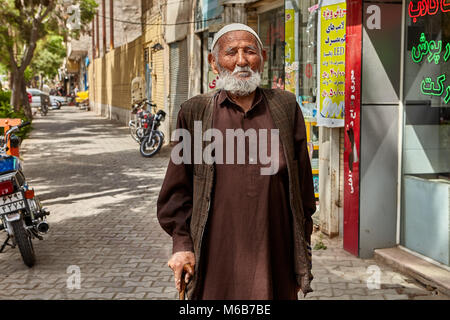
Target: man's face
{"type": "Point", "coordinates": [238, 48]}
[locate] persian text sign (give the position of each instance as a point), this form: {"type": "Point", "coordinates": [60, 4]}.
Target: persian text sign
{"type": "Point", "coordinates": [427, 7]}
{"type": "Point", "coordinates": [434, 53]}
{"type": "Point", "coordinates": [291, 67]}
{"type": "Point", "coordinates": [331, 64]}
{"type": "Point", "coordinates": [352, 127]}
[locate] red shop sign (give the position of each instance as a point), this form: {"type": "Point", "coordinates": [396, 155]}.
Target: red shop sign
{"type": "Point", "coordinates": [352, 125]}
{"type": "Point", "coordinates": [427, 7]}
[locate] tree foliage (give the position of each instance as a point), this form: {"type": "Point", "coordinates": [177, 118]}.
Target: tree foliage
{"type": "Point", "coordinates": [50, 53]}
{"type": "Point", "coordinates": [23, 23]}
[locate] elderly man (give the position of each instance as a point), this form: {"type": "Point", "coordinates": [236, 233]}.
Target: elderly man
{"type": "Point", "coordinates": [247, 234]}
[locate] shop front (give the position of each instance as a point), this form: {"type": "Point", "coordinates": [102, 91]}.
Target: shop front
{"type": "Point", "coordinates": [397, 129]}
{"type": "Point", "coordinates": [425, 219]}
{"type": "Point", "coordinates": [315, 72]}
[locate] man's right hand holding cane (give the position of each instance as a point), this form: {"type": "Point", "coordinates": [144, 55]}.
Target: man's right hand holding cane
{"type": "Point", "coordinates": [177, 262]}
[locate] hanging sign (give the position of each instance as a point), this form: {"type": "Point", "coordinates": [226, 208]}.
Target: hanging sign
{"type": "Point", "coordinates": [291, 66]}
{"type": "Point", "coordinates": [331, 63]}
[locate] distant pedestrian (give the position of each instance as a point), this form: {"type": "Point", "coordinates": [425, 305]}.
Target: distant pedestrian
{"type": "Point", "coordinates": [247, 234]}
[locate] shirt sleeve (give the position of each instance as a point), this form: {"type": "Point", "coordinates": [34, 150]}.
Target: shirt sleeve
{"type": "Point", "coordinates": [305, 172]}
{"type": "Point", "coordinates": [174, 205]}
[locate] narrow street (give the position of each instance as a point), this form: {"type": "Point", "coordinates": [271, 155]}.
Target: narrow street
{"type": "Point", "coordinates": [102, 197]}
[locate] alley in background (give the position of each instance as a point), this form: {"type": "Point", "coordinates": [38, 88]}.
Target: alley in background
{"type": "Point", "coordinates": [102, 195]}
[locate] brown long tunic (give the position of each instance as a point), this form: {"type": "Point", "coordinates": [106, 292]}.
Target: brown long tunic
{"type": "Point", "coordinates": [248, 244]}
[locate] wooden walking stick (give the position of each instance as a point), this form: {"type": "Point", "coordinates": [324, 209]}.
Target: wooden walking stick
{"type": "Point", "coordinates": [186, 268]}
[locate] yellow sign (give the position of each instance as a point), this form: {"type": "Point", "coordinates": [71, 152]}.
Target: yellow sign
{"type": "Point", "coordinates": [331, 64]}
{"type": "Point", "coordinates": [290, 70]}
{"type": "Point", "coordinates": [72, 66]}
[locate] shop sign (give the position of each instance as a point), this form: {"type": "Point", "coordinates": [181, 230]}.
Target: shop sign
{"type": "Point", "coordinates": [427, 7]}
{"type": "Point", "coordinates": [291, 66]}
{"type": "Point", "coordinates": [352, 126]}
{"type": "Point", "coordinates": [434, 53]}
{"type": "Point", "coordinates": [331, 63]}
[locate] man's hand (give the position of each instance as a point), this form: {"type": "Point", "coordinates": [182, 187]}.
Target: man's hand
{"type": "Point", "coordinates": [176, 263]}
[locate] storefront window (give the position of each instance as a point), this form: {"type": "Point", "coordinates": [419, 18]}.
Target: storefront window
{"type": "Point", "coordinates": [271, 32]}
{"type": "Point", "coordinates": [207, 12]}
{"type": "Point", "coordinates": [301, 54]}
{"type": "Point", "coordinates": [426, 145]}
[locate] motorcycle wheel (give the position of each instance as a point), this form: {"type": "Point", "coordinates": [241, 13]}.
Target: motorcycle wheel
{"type": "Point", "coordinates": [23, 240]}
{"type": "Point", "coordinates": [149, 149]}
{"type": "Point", "coordinates": [133, 132]}
{"type": "Point", "coordinates": [58, 104]}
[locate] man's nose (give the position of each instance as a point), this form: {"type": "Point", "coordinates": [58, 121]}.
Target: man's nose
{"type": "Point", "coordinates": [241, 59]}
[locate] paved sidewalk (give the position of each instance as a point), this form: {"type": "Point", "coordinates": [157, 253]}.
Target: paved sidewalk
{"type": "Point", "coordinates": [338, 275]}
{"type": "Point", "coordinates": [102, 197]}
{"type": "Point", "coordinates": [101, 194]}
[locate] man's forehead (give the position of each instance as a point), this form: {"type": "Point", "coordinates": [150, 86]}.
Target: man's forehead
{"type": "Point", "coordinates": [233, 38]}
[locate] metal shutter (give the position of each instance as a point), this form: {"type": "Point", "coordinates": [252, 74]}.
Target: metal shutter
{"type": "Point", "coordinates": [179, 79]}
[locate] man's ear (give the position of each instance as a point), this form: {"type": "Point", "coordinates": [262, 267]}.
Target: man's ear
{"type": "Point", "coordinates": [212, 62]}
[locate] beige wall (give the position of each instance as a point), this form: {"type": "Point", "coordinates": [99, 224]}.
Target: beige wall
{"type": "Point", "coordinates": [152, 35]}
{"type": "Point", "coordinates": [110, 80]}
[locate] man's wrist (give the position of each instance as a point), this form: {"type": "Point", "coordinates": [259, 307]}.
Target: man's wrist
{"type": "Point", "coordinates": [182, 244]}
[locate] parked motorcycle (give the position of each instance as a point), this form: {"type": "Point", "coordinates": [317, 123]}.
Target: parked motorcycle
{"type": "Point", "coordinates": [152, 139]}
{"type": "Point", "coordinates": [43, 109]}
{"type": "Point", "coordinates": [136, 124]}
{"type": "Point", "coordinates": [21, 213]}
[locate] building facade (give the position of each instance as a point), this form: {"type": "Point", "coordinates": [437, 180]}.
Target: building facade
{"type": "Point", "coordinates": [99, 40]}
{"type": "Point", "coordinates": [397, 129]}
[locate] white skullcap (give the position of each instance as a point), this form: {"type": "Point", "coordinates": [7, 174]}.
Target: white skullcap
{"type": "Point", "coordinates": [234, 27]}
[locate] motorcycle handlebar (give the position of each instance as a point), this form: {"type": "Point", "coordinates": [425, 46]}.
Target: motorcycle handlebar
{"type": "Point", "coordinates": [20, 126]}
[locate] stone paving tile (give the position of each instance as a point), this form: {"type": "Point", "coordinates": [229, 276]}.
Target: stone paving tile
{"type": "Point", "coordinates": [102, 296]}
{"type": "Point", "coordinates": [127, 290]}
{"type": "Point", "coordinates": [396, 297]}
{"type": "Point", "coordinates": [102, 197]}
{"type": "Point", "coordinates": [374, 297]}
{"type": "Point", "coordinates": [133, 296]}
{"type": "Point", "coordinates": [431, 297]}
{"type": "Point", "coordinates": [343, 297]}
{"type": "Point", "coordinates": [38, 297]}
{"type": "Point", "coordinates": [347, 275]}
{"type": "Point", "coordinates": [150, 289]}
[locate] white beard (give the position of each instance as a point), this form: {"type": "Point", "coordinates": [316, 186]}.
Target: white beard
{"type": "Point", "coordinates": [231, 81]}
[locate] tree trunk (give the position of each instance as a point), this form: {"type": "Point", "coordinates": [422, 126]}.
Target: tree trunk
{"type": "Point", "coordinates": [19, 96]}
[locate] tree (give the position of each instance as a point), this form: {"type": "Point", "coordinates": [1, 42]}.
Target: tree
{"type": "Point", "coordinates": [23, 23]}
{"type": "Point", "coordinates": [50, 53]}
